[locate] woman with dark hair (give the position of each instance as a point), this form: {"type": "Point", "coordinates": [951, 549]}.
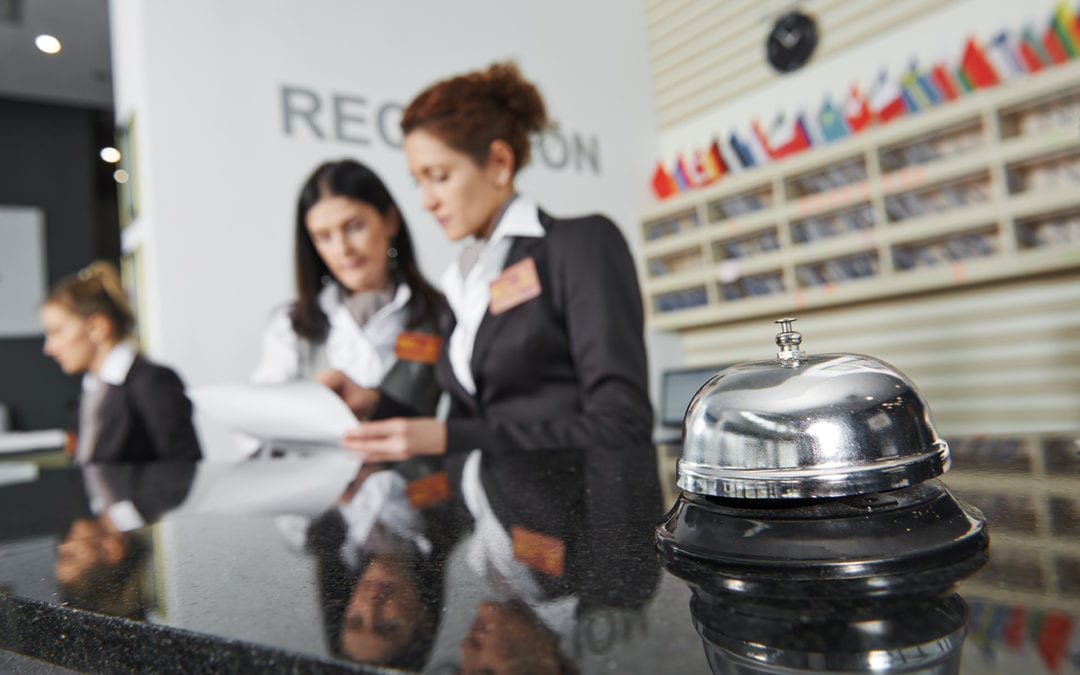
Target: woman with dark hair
{"type": "Point", "coordinates": [131, 410]}
{"type": "Point", "coordinates": [365, 321]}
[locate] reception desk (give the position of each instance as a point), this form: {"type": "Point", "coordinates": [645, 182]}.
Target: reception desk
{"type": "Point", "coordinates": [324, 565]}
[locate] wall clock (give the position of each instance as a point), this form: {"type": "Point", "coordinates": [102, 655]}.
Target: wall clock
{"type": "Point", "coordinates": [791, 41]}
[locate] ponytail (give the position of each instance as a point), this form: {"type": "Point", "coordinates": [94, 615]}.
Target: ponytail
{"type": "Point", "coordinates": [96, 289]}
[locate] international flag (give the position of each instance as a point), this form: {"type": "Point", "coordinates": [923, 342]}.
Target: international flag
{"type": "Point", "coordinates": [663, 185]}
{"type": "Point", "coordinates": [1002, 56]}
{"type": "Point", "coordinates": [856, 110]}
{"type": "Point", "coordinates": [929, 90]}
{"type": "Point", "coordinates": [784, 138]}
{"type": "Point", "coordinates": [914, 99]}
{"type": "Point", "coordinates": [1016, 628]}
{"type": "Point", "coordinates": [886, 99]}
{"type": "Point", "coordinates": [963, 82]}
{"type": "Point", "coordinates": [1053, 639]}
{"type": "Point", "coordinates": [976, 68]}
{"type": "Point", "coordinates": [1031, 51]}
{"type": "Point", "coordinates": [713, 162]}
{"type": "Point", "coordinates": [742, 151]}
{"type": "Point", "coordinates": [730, 158]}
{"type": "Point", "coordinates": [811, 128]}
{"type": "Point", "coordinates": [761, 155]}
{"type": "Point", "coordinates": [802, 139]}
{"type": "Point", "coordinates": [1052, 44]}
{"type": "Point", "coordinates": [682, 181]}
{"type": "Point", "coordinates": [763, 138]}
{"type": "Point", "coordinates": [944, 82]}
{"type": "Point", "coordinates": [1064, 23]}
{"type": "Point", "coordinates": [832, 124]}
{"type": "Point", "coordinates": [698, 170]}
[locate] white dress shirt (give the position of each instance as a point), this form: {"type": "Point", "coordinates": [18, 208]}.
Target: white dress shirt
{"type": "Point", "coordinates": [469, 296]}
{"type": "Point", "coordinates": [114, 370]}
{"type": "Point", "coordinates": [364, 353]}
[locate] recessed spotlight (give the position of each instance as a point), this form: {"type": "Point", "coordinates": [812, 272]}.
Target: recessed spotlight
{"type": "Point", "coordinates": [47, 43]}
{"type": "Point", "coordinates": [120, 176]}
{"type": "Point", "coordinates": [110, 154]}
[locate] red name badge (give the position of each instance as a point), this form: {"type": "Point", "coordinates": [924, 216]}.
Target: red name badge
{"type": "Point", "coordinates": [517, 284]}
{"type": "Point", "coordinates": [428, 490]}
{"type": "Point", "coordinates": [538, 551]}
{"type": "Point", "coordinates": [420, 347]}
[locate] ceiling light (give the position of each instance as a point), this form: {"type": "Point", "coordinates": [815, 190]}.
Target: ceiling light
{"type": "Point", "coordinates": [110, 154]}
{"type": "Point", "coordinates": [120, 176]}
{"type": "Point", "coordinates": [47, 44]}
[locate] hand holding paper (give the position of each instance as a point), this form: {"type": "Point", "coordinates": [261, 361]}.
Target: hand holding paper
{"type": "Point", "coordinates": [361, 400]}
{"type": "Point", "coordinates": [397, 439]}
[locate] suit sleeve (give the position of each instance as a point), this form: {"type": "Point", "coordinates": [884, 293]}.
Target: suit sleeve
{"type": "Point", "coordinates": [165, 411]}
{"type": "Point", "coordinates": [595, 284]}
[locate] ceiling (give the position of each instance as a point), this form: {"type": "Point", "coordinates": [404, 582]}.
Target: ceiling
{"type": "Point", "coordinates": [79, 75]}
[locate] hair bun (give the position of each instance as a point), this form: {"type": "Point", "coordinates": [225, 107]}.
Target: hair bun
{"type": "Point", "coordinates": [470, 111]}
{"type": "Point", "coordinates": [509, 89]}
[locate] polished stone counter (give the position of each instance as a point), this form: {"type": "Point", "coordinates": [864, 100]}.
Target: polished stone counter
{"type": "Point", "coordinates": [323, 565]}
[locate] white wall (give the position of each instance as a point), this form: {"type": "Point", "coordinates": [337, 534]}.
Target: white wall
{"type": "Point", "coordinates": [218, 175]}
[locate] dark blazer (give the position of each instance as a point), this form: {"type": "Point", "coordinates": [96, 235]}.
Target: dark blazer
{"type": "Point", "coordinates": [566, 370]}
{"type": "Point", "coordinates": [561, 404]}
{"type": "Point", "coordinates": [147, 418]}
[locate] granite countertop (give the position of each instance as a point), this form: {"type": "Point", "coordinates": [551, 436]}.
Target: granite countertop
{"type": "Point", "coordinates": [323, 565]}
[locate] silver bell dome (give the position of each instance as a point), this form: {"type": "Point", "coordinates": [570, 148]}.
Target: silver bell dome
{"type": "Point", "coordinates": [798, 426]}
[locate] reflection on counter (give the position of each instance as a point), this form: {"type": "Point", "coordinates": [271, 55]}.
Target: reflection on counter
{"type": "Point", "coordinates": [468, 567]}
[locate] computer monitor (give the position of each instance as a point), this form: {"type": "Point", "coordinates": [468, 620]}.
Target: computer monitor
{"type": "Point", "coordinates": [677, 388]}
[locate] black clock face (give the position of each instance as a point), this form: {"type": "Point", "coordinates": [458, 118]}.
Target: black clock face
{"type": "Point", "coordinates": [791, 42]}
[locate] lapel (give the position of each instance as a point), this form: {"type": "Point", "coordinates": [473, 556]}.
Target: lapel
{"type": "Point", "coordinates": [114, 426]}
{"type": "Point", "coordinates": [490, 325]}
{"type": "Point", "coordinates": [445, 373]}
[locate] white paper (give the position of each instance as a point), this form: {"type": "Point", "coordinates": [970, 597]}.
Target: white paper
{"type": "Point", "coordinates": [25, 441]}
{"type": "Point", "coordinates": [295, 413]}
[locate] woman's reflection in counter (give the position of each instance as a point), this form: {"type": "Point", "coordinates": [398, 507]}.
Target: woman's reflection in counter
{"type": "Point", "coordinates": [97, 568]}
{"type": "Point", "coordinates": [556, 544]}
{"type": "Point", "coordinates": [380, 559]}
{"type": "Point", "coordinates": [506, 637]}
{"type": "Point", "coordinates": [102, 561]}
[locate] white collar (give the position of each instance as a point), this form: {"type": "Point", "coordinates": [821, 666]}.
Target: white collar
{"type": "Point", "coordinates": [330, 298]}
{"type": "Point", "coordinates": [114, 369]}
{"type": "Point", "coordinates": [521, 219]}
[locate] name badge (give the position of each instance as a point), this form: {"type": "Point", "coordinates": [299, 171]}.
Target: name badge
{"type": "Point", "coordinates": [428, 490]}
{"type": "Point", "coordinates": [538, 551]}
{"type": "Point", "coordinates": [422, 347]}
{"type": "Point", "coordinates": [517, 284]}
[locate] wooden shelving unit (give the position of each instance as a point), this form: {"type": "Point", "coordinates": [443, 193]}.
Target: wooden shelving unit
{"type": "Point", "coordinates": [980, 189]}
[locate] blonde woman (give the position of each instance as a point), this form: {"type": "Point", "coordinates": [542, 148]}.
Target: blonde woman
{"type": "Point", "coordinates": [132, 410]}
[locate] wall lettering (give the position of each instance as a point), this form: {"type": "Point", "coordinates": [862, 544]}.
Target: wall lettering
{"type": "Point", "coordinates": [356, 119]}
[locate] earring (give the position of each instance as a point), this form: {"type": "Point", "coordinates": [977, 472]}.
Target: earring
{"type": "Point", "coordinates": [392, 254]}
{"type": "Point", "coordinates": [326, 280]}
